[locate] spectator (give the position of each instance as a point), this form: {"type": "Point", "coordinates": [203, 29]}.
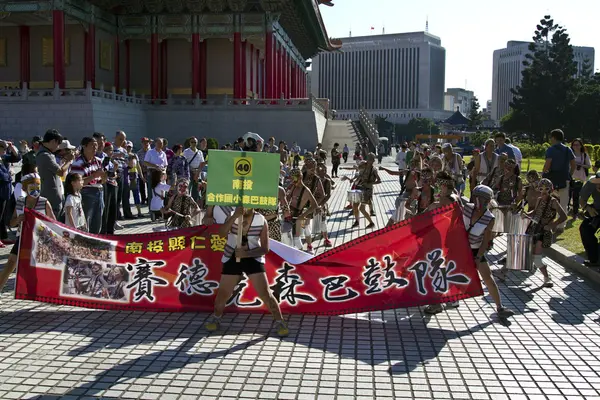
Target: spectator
{"type": "Point", "coordinates": [283, 153]}
{"type": "Point", "coordinates": [50, 171]}
{"type": "Point", "coordinates": [141, 154]}
{"type": "Point", "coordinates": [111, 190]}
{"type": "Point", "coordinates": [518, 155]}
{"type": "Point", "coordinates": [160, 188]}
{"type": "Point", "coordinates": [178, 167]}
{"type": "Point", "coordinates": [345, 153]}
{"type": "Point", "coordinates": [335, 160]}
{"type": "Point", "coordinates": [401, 161]}
{"type": "Point", "coordinates": [74, 215]}
{"type": "Point", "coordinates": [501, 146]}
{"type": "Point", "coordinates": [195, 159]}
{"type": "Point", "coordinates": [155, 160]}
{"type": "Point", "coordinates": [9, 154]}
{"type": "Point", "coordinates": [296, 155]}
{"type": "Point", "coordinates": [582, 167]}
{"type": "Point", "coordinates": [29, 157]}
{"type": "Point", "coordinates": [203, 146]}
{"type": "Point", "coordinates": [167, 150]}
{"type": "Point", "coordinates": [559, 168]}
{"type": "Point", "coordinates": [133, 174]}
{"type": "Point", "coordinates": [591, 222]}
{"type": "Point", "coordinates": [89, 166]}
{"type": "Point", "coordinates": [123, 194]}
{"type": "Point", "coordinates": [100, 139]}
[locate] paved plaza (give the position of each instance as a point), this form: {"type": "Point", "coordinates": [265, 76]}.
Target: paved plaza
{"type": "Point", "coordinates": [550, 349]}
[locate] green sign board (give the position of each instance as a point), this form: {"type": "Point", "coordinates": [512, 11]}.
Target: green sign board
{"type": "Point", "coordinates": [237, 178]}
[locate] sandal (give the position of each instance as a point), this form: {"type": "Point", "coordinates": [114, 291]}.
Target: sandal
{"type": "Point", "coordinates": [504, 312]}
{"type": "Point", "coordinates": [434, 309]}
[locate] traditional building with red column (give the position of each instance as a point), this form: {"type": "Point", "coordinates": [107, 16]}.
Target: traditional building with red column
{"type": "Point", "coordinates": [160, 52]}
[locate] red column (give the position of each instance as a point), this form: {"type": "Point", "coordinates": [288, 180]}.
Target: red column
{"type": "Point", "coordinates": [237, 64]}
{"type": "Point", "coordinates": [258, 90]}
{"type": "Point", "coordinates": [128, 66]}
{"type": "Point", "coordinates": [286, 77]}
{"type": "Point", "coordinates": [117, 66]}
{"type": "Point", "coordinates": [89, 65]}
{"type": "Point", "coordinates": [278, 72]}
{"type": "Point", "coordinates": [195, 64]}
{"type": "Point", "coordinates": [202, 87]}
{"type": "Point", "coordinates": [58, 36]}
{"type": "Point", "coordinates": [25, 69]}
{"type": "Point", "coordinates": [282, 69]}
{"type": "Point", "coordinates": [244, 81]}
{"type": "Point", "coordinates": [154, 66]}
{"type": "Point", "coordinates": [268, 71]}
{"type": "Point", "coordinates": [164, 69]}
{"type": "Point", "coordinates": [293, 84]}
{"type": "Point", "coordinates": [251, 85]}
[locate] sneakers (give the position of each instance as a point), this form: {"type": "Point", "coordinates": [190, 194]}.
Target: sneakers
{"type": "Point", "coordinates": [434, 309]}
{"type": "Point", "coordinates": [309, 249]}
{"type": "Point", "coordinates": [118, 226]}
{"type": "Point", "coordinates": [282, 329]}
{"type": "Point", "coordinates": [548, 282]}
{"type": "Point", "coordinates": [213, 323]}
{"type": "Point", "coordinates": [328, 243]}
{"type": "Point", "coordinates": [452, 304]}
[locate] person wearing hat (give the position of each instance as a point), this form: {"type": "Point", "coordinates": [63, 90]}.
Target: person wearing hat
{"type": "Point", "coordinates": [591, 223]}
{"type": "Point", "coordinates": [31, 186]}
{"type": "Point", "coordinates": [367, 177]}
{"type": "Point", "coordinates": [479, 221]}
{"type": "Point", "coordinates": [8, 155]}
{"type": "Point", "coordinates": [454, 165]}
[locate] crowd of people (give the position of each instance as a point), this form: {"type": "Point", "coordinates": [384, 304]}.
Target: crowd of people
{"type": "Point", "coordinates": [90, 188]}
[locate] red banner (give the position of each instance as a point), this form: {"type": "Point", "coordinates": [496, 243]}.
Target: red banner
{"type": "Point", "coordinates": [424, 260]}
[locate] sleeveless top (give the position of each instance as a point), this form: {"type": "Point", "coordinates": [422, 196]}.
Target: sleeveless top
{"type": "Point", "coordinates": [423, 202]}
{"type": "Point", "coordinates": [486, 166]}
{"type": "Point", "coordinates": [478, 228]}
{"type": "Point", "coordinates": [40, 206]}
{"type": "Point", "coordinates": [508, 189]}
{"type": "Point", "coordinates": [251, 239]}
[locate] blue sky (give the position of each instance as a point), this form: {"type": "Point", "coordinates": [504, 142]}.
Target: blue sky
{"type": "Point", "coordinates": [470, 30]}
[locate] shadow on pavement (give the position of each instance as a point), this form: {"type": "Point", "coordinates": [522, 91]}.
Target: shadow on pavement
{"type": "Point", "coordinates": [573, 309]}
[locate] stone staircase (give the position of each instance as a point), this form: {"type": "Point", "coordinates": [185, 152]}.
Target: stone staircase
{"type": "Point", "coordinates": [339, 131]}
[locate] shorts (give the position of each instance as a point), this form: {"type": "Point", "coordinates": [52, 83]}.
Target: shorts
{"type": "Point", "coordinates": [475, 251]}
{"type": "Point", "coordinates": [246, 266]}
{"type": "Point", "coordinates": [15, 248]}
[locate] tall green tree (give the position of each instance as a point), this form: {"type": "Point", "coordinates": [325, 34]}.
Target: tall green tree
{"type": "Point", "coordinates": [548, 85]}
{"type": "Point", "coordinates": [474, 114]}
{"type": "Point", "coordinates": [584, 118]}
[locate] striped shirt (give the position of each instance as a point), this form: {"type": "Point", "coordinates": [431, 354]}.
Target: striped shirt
{"type": "Point", "coordinates": [40, 206]}
{"type": "Point", "coordinates": [84, 168]}
{"type": "Point", "coordinates": [476, 230]}
{"type": "Point", "coordinates": [253, 237]}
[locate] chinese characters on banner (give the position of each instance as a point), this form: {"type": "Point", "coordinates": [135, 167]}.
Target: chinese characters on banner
{"type": "Point", "coordinates": [244, 179]}
{"type": "Point", "coordinates": [390, 268]}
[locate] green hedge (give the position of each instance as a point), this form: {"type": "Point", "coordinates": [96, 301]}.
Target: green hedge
{"type": "Point", "coordinates": [532, 150]}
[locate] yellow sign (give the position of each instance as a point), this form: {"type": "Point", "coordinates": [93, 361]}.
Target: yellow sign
{"type": "Point", "coordinates": [242, 166]}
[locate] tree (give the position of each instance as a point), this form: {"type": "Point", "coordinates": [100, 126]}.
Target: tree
{"type": "Point", "coordinates": [548, 85]}
{"type": "Point", "coordinates": [477, 139]}
{"type": "Point", "coordinates": [584, 118]}
{"type": "Point", "coordinates": [474, 114]}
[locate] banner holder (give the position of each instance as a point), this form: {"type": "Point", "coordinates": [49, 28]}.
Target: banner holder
{"type": "Point", "coordinates": [238, 239]}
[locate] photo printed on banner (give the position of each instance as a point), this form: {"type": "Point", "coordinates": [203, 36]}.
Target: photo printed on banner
{"type": "Point", "coordinates": [83, 279]}
{"type": "Point", "coordinates": [53, 243]}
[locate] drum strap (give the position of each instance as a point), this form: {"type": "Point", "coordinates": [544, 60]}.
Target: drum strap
{"type": "Point", "coordinates": [472, 224]}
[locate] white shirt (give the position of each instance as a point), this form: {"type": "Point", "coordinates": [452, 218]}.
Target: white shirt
{"type": "Point", "coordinates": [518, 155]}
{"type": "Point", "coordinates": [154, 157]}
{"type": "Point", "coordinates": [190, 154]}
{"type": "Point", "coordinates": [78, 216]}
{"type": "Point", "coordinates": [401, 159]}
{"type": "Point", "coordinates": [157, 203]}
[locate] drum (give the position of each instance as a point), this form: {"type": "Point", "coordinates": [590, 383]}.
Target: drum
{"type": "Point", "coordinates": [519, 252]}
{"type": "Point", "coordinates": [354, 196]}
{"type": "Point", "coordinates": [400, 212]}
{"type": "Point", "coordinates": [498, 220]}
{"type": "Point", "coordinates": [516, 223]}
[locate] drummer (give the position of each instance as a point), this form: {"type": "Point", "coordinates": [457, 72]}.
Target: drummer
{"type": "Point", "coordinates": [544, 222]}
{"type": "Point", "coordinates": [479, 222]}
{"type": "Point", "coordinates": [367, 177]}
{"type": "Point", "coordinates": [485, 162]}
{"type": "Point", "coordinates": [509, 188]}
{"type": "Point", "coordinates": [447, 191]}
{"type": "Point", "coordinates": [315, 185]}
{"type": "Point", "coordinates": [414, 174]}
{"type": "Point", "coordinates": [494, 177]}
{"type": "Point", "coordinates": [531, 190]}
{"type": "Point", "coordinates": [320, 219]}
{"type": "Point", "coordinates": [302, 204]}
{"type": "Point", "coordinates": [423, 196]}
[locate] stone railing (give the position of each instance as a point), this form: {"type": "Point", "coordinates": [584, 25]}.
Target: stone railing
{"type": "Point", "coordinates": [369, 125]}
{"type": "Point", "coordinates": [101, 95]}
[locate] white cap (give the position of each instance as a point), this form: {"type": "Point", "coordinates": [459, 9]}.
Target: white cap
{"type": "Point", "coordinates": [66, 145]}
{"type": "Point", "coordinates": [128, 143]}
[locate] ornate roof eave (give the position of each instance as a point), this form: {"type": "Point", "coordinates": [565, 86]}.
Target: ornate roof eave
{"type": "Point", "coordinates": [323, 41]}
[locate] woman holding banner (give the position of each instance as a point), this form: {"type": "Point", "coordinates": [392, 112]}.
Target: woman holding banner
{"type": "Point", "coordinates": [31, 186]}
{"type": "Point", "coordinates": [479, 222]}
{"type": "Point", "coordinates": [248, 259]}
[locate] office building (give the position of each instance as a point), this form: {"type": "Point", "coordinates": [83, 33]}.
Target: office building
{"type": "Point", "coordinates": [462, 99]}
{"type": "Point", "coordinates": [508, 68]}
{"type": "Point", "coordinates": [400, 76]}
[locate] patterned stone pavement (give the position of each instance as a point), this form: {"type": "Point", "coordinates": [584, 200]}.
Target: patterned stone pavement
{"type": "Point", "coordinates": [549, 349]}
